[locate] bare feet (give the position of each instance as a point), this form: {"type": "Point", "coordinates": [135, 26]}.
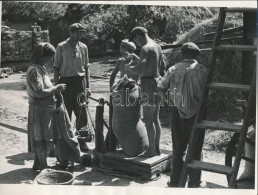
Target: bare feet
{"type": "Point", "coordinates": [158, 152]}
{"type": "Point", "coordinates": [147, 154]}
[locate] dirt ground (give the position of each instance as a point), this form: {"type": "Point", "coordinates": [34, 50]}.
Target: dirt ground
{"type": "Point", "coordinates": [16, 162]}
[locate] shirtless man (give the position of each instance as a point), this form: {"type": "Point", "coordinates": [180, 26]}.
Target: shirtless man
{"type": "Point", "coordinates": [149, 67]}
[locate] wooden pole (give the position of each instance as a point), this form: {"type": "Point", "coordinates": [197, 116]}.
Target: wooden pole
{"type": "Point", "coordinates": [112, 141]}
{"type": "Point", "coordinates": [99, 137]}
{"type": "Point", "coordinates": [249, 34]}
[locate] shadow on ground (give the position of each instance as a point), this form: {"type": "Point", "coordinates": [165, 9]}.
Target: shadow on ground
{"type": "Point", "coordinates": [108, 179]}
{"type": "Point", "coordinates": [16, 86]}
{"type": "Point", "coordinates": [14, 128]}
{"type": "Point", "coordinates": [19, 159]}
{"type": "Point", "coordinates": [19, 176]}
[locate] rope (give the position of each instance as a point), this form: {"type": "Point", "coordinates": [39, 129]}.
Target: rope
{"type": "Point", "coordinates": [106, 125]}
{"type": "Point", "coordinates": [86, 105]}
{"type": "Point", "coordinates": [97, 100]}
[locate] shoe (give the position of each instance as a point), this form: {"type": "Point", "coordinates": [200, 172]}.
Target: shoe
{"type": "Point", "coordinates": [83, 146]}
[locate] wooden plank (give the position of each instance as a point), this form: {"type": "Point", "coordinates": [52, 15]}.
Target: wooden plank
{"type": "Point", "coordinates": [204, 96]}
{"type": "Point", "coordinates": [219, 126]}
{"type": "Point", "coordinates": [242, 138]}
{"type": "Point", "coordinates": [120, 156]}
{"type": "Point", "coordinates": [236, 47]}
{"type": "Point", "coordinates": [213, 185]}
{"type": "Point", "coordinates": [146, 169]}
{"type": "Point", "coordinates": [241, 10]}
{"type": "Point", "coordinates": [229, 30]}
{"type": "Point", "coordinates": [130, 168]}
{"type": "Point", "coordinates": [211, 167]}
{"type": "Point", "coordinates": [229, 86]}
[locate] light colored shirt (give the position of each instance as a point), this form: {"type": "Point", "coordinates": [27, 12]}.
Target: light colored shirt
{"type": "Point", "coordinates": [71, 61]}
{"type": "Point", "coordinates": [38, 79]}
{"type": "Point", "coordinates": [185, 81]}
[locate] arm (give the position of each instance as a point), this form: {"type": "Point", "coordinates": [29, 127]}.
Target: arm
{"type": "Point", "coordinates": [57, 65]}
{"type": "Point", "coordinates": [56, 75]}
{"type": "Point", "coordinates": [135, 58]}
{"type": "Point", "coordinates": [47, 92]}
{"type": "Point", "coordinates": [36, 82]}
{"type": "Point", "coordinates": [164, 83]}
{"type": "Point", "coordinates": [87, 70]}
{"type": "Point", "coordinates": [162, 69]}
{"type": "Point", "coordinates": [137, 69]}
{"type": "Point", "coordinates": [113, 75]}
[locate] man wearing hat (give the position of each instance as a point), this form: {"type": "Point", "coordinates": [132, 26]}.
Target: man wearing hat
{"type": "Point", "coordinates": [185, 82]}
{"type": "Point", "coordinates": [149, 67]}
{"type": "Point", "coordinates": [71, 67]}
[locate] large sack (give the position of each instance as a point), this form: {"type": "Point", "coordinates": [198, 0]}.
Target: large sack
{"type": "Point", "coordinates": [128, 128]}
{"type": "Point", "coordinates": [66, 144]}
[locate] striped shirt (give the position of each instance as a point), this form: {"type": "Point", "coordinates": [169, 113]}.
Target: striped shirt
{"type": "Point", "coordinates": [185, 81]}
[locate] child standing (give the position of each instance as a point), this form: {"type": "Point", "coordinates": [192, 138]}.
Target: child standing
{"type": "Point", "coordinates": [127, 57]}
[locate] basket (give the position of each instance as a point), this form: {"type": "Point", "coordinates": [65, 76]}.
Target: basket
{"type": "Point", "coordinates": [54, 177]}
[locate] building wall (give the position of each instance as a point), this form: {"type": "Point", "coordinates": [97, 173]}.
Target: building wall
{"type": "Point", "coordinates": [18, 45]}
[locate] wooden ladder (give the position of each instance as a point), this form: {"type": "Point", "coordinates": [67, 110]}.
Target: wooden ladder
{"type": "Point", "coordinates": [205, 124]}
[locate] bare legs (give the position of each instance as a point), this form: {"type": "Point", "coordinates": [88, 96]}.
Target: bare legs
{"type": "Point", "coordinates": [151, 120]}
{"type": "Point", "coordinates": [157, 127]}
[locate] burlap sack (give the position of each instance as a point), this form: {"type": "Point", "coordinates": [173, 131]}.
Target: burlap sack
{"type": "Point", "coordinates": [128, 127]}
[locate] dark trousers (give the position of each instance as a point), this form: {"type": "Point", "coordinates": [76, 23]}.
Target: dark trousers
{"type": "Point", "coordinates": [181, 131]}
{"type": "Point", "coordinates": [73, 95]}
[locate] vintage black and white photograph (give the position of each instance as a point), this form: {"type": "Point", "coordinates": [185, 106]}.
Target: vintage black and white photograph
{"type": "Point", "coordinates": [139, 94]}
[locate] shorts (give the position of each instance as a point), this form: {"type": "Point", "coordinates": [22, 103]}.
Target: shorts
{"type": "Point", "coordinates": [149, 90]}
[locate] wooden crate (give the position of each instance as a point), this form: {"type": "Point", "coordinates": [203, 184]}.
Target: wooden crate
{"type": "Point", "coordinates": [148, 168]}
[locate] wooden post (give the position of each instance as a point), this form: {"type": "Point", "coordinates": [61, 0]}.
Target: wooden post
{"type": "Point", "coordinates": [249, 34]}
{"type": "Point", "coordinates": [29, 141]}
{"type": "Point", "coordinates": [111, 143]}
{"type": "Point", "coordinates": [248, 58]}
{"type": "Point", "coordinates": [99, 137]}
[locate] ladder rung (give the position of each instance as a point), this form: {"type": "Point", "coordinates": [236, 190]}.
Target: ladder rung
{"type": "Point", "coordinates": [229, 86]}
{"type": "Point", "coordinates": [211, 167]}
{"type": "Point", "coordinates": [219, 126]}
{"type": "Point", "coordinates": [237, 47]}
{"type": "Point", "coordinates": [241, 10]}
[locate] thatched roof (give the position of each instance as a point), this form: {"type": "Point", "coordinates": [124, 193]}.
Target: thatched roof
{"type": "Point", "coordinates": [197, 34]}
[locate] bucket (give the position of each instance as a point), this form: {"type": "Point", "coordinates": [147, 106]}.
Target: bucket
{"type": "Point", "coordinates": [86, 160]}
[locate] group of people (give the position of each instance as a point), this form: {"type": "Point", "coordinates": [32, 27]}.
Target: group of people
{"type": "Point", "coordinates": [184, 81]}
{"type": "Point", "coordinates": [70, 63]}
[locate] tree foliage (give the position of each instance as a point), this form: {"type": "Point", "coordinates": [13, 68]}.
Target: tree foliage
{"type": "Point", "coordinates": [107, 24]}
{"type": "Point", "coordinates": [32, 11]}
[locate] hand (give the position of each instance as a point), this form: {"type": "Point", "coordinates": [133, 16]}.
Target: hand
{"type": "Point", "coordinates": [87, 92]}
{"type": "Point", "coordinates": [60, 87]}
{"type": "Point", "coordinates": [134, 56]}
{"type": "Point", "coordinates": [128, 58]}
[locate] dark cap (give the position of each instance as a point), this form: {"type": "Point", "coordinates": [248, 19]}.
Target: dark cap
{"type": "Point", "coordinates": [138, 30]}
{"type": "Point", "coordinates": [190, 46]}
{"type": "Point", "coordinates": [76, 27]}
